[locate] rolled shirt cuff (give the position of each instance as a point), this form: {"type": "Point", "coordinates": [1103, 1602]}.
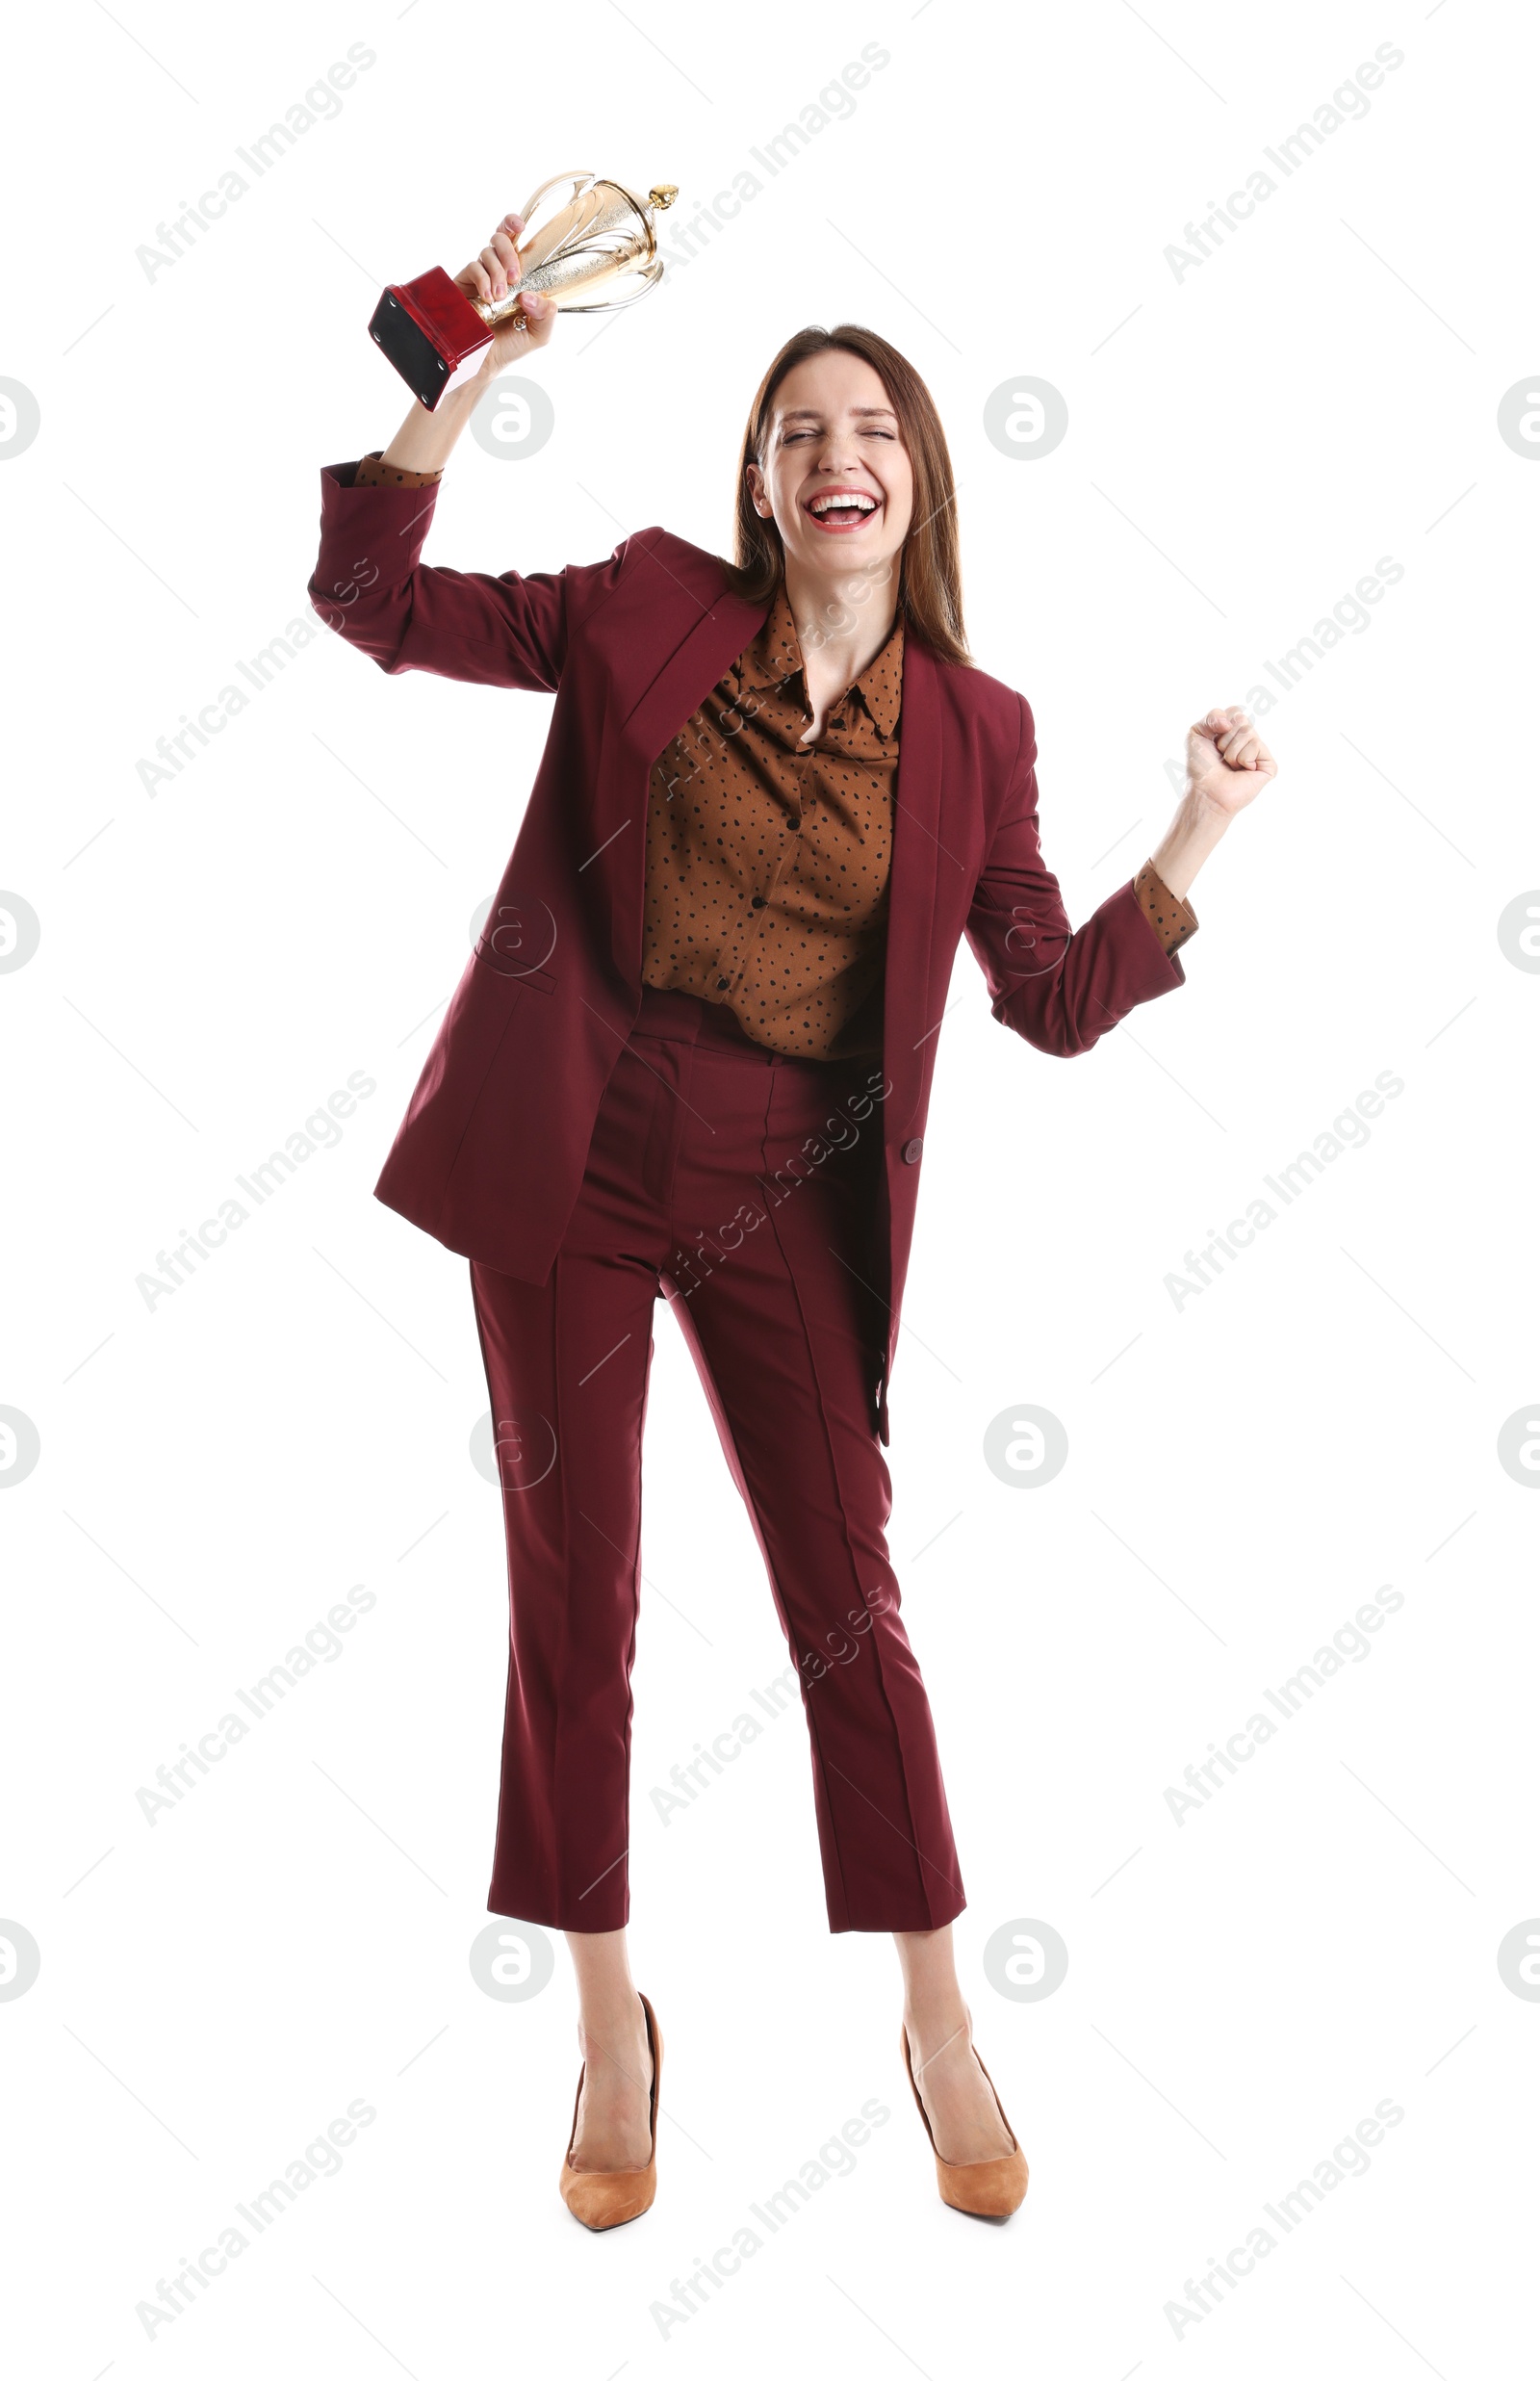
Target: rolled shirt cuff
{"type": "Point", "coordinates": [1174, 919]}
{"type": "Point", "coordinates": [369, 471]}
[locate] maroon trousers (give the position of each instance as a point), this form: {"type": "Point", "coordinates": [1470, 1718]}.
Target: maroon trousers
{"type": "Point", "coordinates": [740, 1185]}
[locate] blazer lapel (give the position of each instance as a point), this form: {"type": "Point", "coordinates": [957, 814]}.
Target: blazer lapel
{"type": "Point", "coordinates": [718, 633]}
{"type": "Point", "coordinates": [913, 885]}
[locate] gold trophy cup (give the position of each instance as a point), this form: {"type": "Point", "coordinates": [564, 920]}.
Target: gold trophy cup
{"type": "Point", "coordinates": [595, 251]}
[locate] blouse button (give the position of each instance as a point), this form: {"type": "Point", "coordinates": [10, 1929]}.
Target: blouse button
{"type": "Point", "coordinates": [912, 1152]}
{"type": "Point", "coordinates": [758, 903]}
{"type": "Point", "coordinates": [722, 983]}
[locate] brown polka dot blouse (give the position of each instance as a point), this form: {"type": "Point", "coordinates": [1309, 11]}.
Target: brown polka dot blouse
{"type": "Point", "coordinates": [768, 857]}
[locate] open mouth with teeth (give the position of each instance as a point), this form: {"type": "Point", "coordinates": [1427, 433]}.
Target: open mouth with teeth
{"type": "Point", "coordinates": [836, 510]}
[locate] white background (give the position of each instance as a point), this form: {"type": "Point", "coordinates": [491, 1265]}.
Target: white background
{"type": "Point", "coordinates": [1245, 443]}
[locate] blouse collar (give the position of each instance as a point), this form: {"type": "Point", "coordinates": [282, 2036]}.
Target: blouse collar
{"type": "Point", "coordinates": [775, 655]}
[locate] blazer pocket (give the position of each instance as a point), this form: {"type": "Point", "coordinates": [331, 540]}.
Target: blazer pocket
{"type": "Point", "coordinates": [516, 936]}
{"type": "Point", "coordinates": [511, 969]}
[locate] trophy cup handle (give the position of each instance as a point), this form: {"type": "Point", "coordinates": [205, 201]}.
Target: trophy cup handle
{"type": "Point", "coordinates": [647, 277]}
{"type": "Point", "coordinates": [578, 181]}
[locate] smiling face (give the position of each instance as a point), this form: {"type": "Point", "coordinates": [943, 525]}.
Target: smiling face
{"type": "Point", "coordinates": [836, 479]}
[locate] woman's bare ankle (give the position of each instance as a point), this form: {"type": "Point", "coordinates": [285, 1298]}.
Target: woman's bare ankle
{"type": "Point", "coordinates": [614, 2118]}
{"type": "Point", "coordinates": [934, 2020]}
{"type": "Point", "coordinates": [613, 2040]}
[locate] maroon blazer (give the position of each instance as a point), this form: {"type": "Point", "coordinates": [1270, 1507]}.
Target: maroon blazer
{"type": "Point", "coordinates": [490, 1155]}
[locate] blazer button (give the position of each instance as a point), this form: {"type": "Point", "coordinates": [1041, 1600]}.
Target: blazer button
{"type": "Point", "coordinates": [911, 1152]}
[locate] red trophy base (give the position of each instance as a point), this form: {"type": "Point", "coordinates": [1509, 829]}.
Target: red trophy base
{"type": "Point", "coordinates": [431, 333]}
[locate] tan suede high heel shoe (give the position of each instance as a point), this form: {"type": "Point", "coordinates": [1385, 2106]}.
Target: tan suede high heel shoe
{"type": "Point", "coordinates": [991, 2186]}
{"type": "Point", "coordinates": [602, 2201]}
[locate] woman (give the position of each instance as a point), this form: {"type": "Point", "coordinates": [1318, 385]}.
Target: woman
{"type": "Point", "coordinates": [691, 1057]}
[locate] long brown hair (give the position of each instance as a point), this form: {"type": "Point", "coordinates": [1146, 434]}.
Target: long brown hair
{"type": "Point", "coordinates": [930, 575]}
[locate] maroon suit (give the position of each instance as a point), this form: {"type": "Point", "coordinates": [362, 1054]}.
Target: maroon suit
{"type": "Point", "coordinates": [491, 1155]}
